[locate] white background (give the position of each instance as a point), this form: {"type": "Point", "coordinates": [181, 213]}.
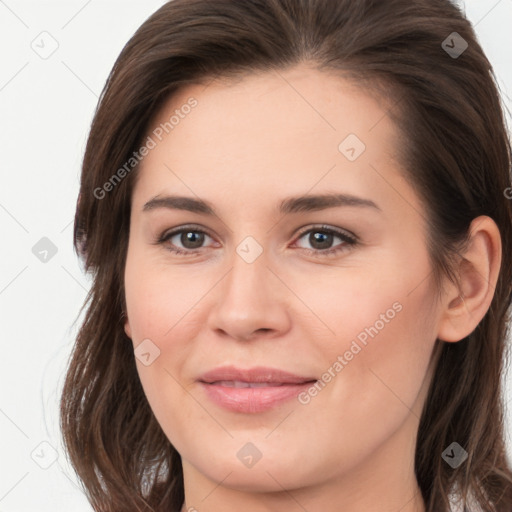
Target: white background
{"type": "Point", "coordinates": [46, 109]}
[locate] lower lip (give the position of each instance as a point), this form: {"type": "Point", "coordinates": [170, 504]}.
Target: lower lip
{"type": "Point", "coordinates": [252, 400]}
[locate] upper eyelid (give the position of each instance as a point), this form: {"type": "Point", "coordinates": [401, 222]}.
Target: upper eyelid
{"type": "Point", "coordinates": [336, 231]}
{"type": "Point", "coordinates": [180, 229]}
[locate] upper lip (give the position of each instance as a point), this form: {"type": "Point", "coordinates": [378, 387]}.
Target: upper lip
{"type": "Point", "coordinates": [255, 374]}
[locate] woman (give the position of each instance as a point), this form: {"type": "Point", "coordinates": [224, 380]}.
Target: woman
{"type": "Point", "coordinates": [297, 220]}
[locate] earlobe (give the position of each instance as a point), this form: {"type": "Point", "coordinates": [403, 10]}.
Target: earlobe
{"type": "Point", "coordinates": [127, 328]}
{"type": "Point", "coordinates": [464, 307]}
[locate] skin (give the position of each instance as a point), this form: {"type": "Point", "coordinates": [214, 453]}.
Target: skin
{"type": "Point", "coordinates": [243, 148]}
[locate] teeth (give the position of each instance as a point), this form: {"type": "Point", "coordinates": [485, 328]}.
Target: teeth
{"type": "Point", "coordinates": [240, 384]}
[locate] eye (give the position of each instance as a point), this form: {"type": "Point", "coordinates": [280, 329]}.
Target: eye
{"type": "Point", "coordinates": [321, 238]}
{"type": "Point", "coordinates": [191, 239]}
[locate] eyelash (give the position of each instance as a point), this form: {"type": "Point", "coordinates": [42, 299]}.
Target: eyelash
{"type": "Point", "coordinates": [349, 239]}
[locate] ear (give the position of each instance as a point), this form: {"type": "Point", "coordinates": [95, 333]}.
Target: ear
{"type": "Point", "coordinates": [478, 271]}
{"type": "Point", "coordinates": [127, 328]}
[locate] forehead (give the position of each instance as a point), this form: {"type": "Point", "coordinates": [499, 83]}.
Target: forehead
{"type": "Point", "coordinates": [288, 129]}
{"type": "Point", "coordinates": [292, 97]}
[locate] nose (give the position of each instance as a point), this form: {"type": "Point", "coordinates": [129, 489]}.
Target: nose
{"type": "Point", "coordinates": [251, 301]}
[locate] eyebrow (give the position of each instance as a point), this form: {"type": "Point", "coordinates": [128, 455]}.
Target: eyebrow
{"type": "Point", "coordinates": [305, 203]}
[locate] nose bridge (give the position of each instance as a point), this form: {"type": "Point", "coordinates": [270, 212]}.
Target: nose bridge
{"type": "Point", "coordinates": [248, 298]}
{"type": "Point", "coordinates": [249, 276]}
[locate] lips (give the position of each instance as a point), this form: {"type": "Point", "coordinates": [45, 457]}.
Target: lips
{"type": "Point", "coordinates": [242, 384]}
{"type": "Point", "coordinates": [254, 375]}
{"type": "Point", "coordinates": [252, 390]}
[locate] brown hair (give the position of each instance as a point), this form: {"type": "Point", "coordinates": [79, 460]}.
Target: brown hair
{"type": "Point", "coordinates": [457, 156]}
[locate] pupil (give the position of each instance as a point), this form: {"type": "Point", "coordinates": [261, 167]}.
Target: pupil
{"type": "Point", "coordinates": [323, 238]}
{"type": "Point", "coordinates": [189, 238]}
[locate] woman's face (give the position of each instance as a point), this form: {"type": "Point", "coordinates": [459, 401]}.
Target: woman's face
{"type": "Point", "coordinates": [328, 289]}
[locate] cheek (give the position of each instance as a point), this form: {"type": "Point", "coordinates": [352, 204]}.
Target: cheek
{"type": "Point", "coordinates": [381, 381]}
{"type": "Point", "coordinates": [370, 319]}
{"type": "Point", "coordinates": [385, 350]}
{"type": "Point", "coordinates": [161, 317]}
{"type": "Point", "coordinates": [384, 326]}
{"type": "Point", "coordinates": [157, 298]}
